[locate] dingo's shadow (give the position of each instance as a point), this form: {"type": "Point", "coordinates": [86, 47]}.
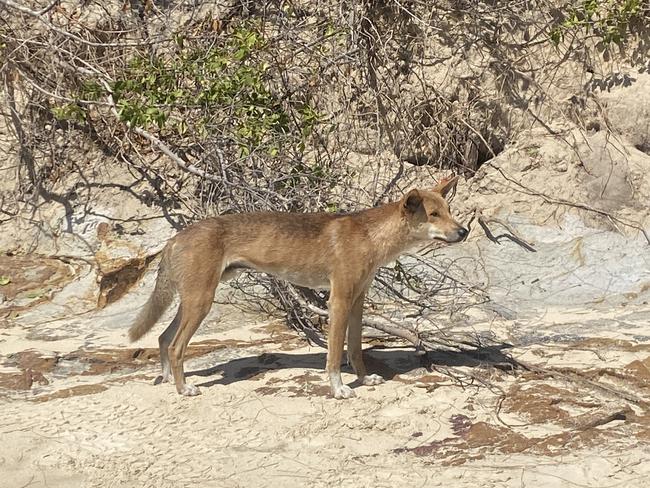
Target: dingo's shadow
{"type": "Point", "coordinates": [385, 361]}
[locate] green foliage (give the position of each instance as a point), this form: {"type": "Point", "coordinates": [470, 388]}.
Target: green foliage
{"type": "Point", "coordinates": [70, 112]}
{"type": "Point", "coordinates": [222, 87]}
{"type": "Point", "coordinates": [201, 88]}
{"type": "Point", "coordinates": [91, 91]}
{"type": "Point", "coordinates": [606, 19]}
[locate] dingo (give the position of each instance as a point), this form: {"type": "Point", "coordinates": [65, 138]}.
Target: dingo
{"type": "Point", "coordinates": [339, 252]}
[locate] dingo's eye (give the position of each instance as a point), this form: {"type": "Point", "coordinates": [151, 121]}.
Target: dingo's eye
{"type": "Point", "coordinates": [434, 214]}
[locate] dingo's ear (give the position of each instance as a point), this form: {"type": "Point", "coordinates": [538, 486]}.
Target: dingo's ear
{"type": "Point", "coordinates": [446, 185]}
{"type": "Point", "coordinates": [412, 201]}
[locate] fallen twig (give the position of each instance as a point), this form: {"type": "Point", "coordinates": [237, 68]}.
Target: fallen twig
{"type": "Point", "coordinates": [575, 377]}
{"type": "Point", "coordinates": [512, 235]}
{"type": "Point", "coordinates": [617, 415]}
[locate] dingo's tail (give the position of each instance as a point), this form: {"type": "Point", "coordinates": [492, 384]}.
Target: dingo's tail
{"type": "Point", "coordinates": [158, 302]}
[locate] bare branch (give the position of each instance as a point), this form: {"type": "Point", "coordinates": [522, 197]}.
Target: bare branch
{"type": "Point", "coordinates": [484, 221]}
{"type": "Point", "coordinates": [583, 206]}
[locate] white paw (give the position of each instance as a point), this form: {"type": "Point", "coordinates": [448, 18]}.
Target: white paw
{"type": "Point", "coordinates": [372, 379]}
{"type": "Point", "coordinates": [190, 390]}
{"type": "Point", "coordinates": [343, 391]}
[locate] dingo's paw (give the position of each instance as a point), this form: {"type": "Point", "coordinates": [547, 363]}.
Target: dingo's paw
{"type": "Point", "coordinates": [342, 392]}
{"type": "Point", "coordinates": [372, 379]}
{"type": "Point", "coordinates": [190, 390]}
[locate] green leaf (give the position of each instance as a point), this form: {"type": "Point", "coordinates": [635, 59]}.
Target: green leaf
{"type": "Point", "coordinates": [38, 293]}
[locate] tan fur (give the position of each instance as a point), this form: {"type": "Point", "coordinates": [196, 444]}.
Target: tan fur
{"type": "Point", "coordinates": [320, 250]}
{"type": "Point", "coordinates": [159, 301]}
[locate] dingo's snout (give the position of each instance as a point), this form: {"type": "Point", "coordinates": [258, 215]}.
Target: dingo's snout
{"type": "Point", "coordinates": [458, 235]}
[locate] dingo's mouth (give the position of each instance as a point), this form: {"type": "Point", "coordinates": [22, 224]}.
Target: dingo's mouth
{"type": "Point", "coordinates": [457, 236]}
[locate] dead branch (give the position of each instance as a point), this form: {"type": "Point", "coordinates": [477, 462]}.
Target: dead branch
{"type": "Point", "coordinates": [621, 414]}
{"type": "Point", "coordinates": [568, 203]}
{"type": "Point", "coordinates": [512, 235]}
{"type": "Point", "coordinates": [576, 377]}
{"type": "Point", "coordinates": [66, 33]}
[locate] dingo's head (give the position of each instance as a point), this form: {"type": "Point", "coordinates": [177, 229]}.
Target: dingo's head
{"type": "Point", "coordinates": [429, 215]}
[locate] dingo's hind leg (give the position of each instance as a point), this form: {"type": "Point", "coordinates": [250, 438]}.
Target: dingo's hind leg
{"type": "Point", "coordinates": [164, 341]}
{"type": "Point", "coordinates": [197, 294]}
